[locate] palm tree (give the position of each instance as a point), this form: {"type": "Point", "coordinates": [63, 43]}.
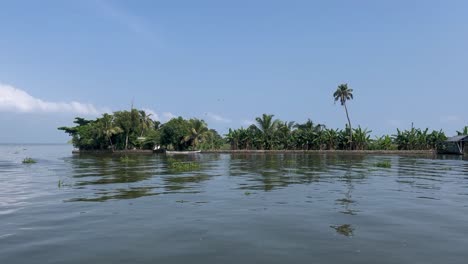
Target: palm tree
{"type": "Point", "coordinates": [267, 126]}
{"type": "Point", "coordinates": [145, 122]}
{"type": "Point", "coordinates": [464, 131]}
{"type": "Point", "coordinates": [109, 129]}
{"type": "Point", "coordinates": [343, 94]}
{"type": "Point", "coordinates": [198, 132]}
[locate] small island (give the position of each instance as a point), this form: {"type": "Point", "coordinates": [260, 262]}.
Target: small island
{"type": "Point", "coordinates": [135, 131]}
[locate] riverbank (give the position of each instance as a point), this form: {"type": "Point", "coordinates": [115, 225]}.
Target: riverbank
{"type": "Point", "coordinates": [377, 152]}
{"type": "Point", "coordinates": [389, 152]}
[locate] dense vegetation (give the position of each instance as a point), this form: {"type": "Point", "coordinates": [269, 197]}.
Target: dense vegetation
{"type": "Point", "coordinates": [270, 134]}
{"type": "Point", "coordinates": [135, 129]}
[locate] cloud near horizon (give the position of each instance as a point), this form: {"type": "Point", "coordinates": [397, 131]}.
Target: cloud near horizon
{"type": "Point", "coordinates": [16, 100]}
{"type": "Point", "coordinates": [217, 118]}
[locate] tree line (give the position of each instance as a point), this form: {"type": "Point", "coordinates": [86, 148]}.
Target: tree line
{"type": "Point", "coordinates": [135, 129]}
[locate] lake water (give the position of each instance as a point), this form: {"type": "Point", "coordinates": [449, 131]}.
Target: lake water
{"type": "Point", "coordinates": [239, 208]}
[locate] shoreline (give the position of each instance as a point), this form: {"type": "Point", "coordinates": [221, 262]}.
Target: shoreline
{"type": "Point", "coordinates": [355, 152]}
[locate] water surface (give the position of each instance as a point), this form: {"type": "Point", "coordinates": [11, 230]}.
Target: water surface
{"type": "Point", "coordinates": [239, 208]}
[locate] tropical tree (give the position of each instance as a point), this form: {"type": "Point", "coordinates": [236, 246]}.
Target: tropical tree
{"type": "Point", "coordinates": [197, 132]}
{"type": "Point", "coordinates": [308, 135]}
{"type": "Point", "coordinates": [361, 138]}
{"type": "Point", "coordinates": [464, 131]}
{"type": "Point", "coordinates": [108, 128]}
{"type": "Point", "coordinates": [174, 133]}
{"type": "Point", "coordinates": [343, 93]}
{"type": "Point", "coordinates": [382, 143]}
{"type": "Point", "coordinates": [146, 122]}
{"type": "Point", "coordinates": [330, 138]}
{"type": "Point", "coordinates": [124, 119]}
{"type": "Point", "coordinates": [283, 134]}
{"type": "Point", "coordinates": [267, 125]}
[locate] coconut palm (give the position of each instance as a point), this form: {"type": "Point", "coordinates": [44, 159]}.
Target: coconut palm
{"type": "Point", "coordinates": [198, 131]}
{"type": "Point", "coordinates": [343, 93]}
{"type": "Point", "coordinates": [146, 122]}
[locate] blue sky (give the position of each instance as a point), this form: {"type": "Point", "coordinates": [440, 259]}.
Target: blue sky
{"type": "Point", "coordinates": [230, 61]}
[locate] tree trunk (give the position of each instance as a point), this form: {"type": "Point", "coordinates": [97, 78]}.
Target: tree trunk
{"type": "Point", "coordinates": [126, 141]}
{"type": "Point", "coordinates": [112, 146]}
{"type": "Point", "coordinates": [350, 128]}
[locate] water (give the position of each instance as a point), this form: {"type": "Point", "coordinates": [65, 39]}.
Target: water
{"type": "Point", "coordinates": [295, 208]}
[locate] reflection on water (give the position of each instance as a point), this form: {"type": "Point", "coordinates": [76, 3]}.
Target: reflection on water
{"type": "Point", "coordinates": [102, 178]}
{"type": "Point", "coordinates": [272, 208]}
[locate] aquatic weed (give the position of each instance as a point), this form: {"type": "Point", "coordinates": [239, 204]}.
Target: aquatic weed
{"type": "Point", "coordinates": [183, 166]}
{"type": "Point", "coordinates": [384, 164]}
{"type": "Point", "coordinates": [126, 159]}
{"type": "Point", "coordinates": [29, 161]}
{"type": "Point", "coordinates": [345, 229]}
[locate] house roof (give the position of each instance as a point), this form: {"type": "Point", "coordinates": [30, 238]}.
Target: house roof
{"type": "Point", "coordinates": [458, 138]}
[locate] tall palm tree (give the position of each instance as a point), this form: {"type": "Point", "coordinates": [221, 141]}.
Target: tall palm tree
{"type": "Point", "coordinates": [267, 126]}
{"type": "Point", "coordinates": [145, 122]}
{"type": "Point", "coordinates": [343, 94]}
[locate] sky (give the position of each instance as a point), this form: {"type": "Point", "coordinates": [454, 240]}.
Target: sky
{"type": "Point", "coordinates": [228, 62]}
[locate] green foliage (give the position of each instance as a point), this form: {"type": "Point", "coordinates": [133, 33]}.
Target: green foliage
{"type": "Point", "coordinates": [174, 134]}
{"type": "Point", "coordinates": [183, 166]}
{"type": "Point", "coordinates": [382, 143]}
{"type": "Point", "coordinates": [361, 138]}
{"type": "Point", "coordinates": [126, 159]}
{"type": "Point", "coordinates": [417, 139]}
{"type": "Point", "coordinates": [135, 129]}
{"type": "Point", "coordinates": [384, 164]}
{"type": "Point", "coordinates": [29, 161]}
{"type": "Point", "coordinates": [464, 131]}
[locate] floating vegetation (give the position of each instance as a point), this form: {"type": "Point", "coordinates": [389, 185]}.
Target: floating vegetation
{"type": "Point", "coordinates": [247, 193]}
{"type": "Point", "coordinates": [345, 201]}
{"type": "Point", "coordinates": [29, 161]}
{"type": "Point", "coordinates": [384, 164]}
{"type": "Point", "coordinates": [181, 201]}
{"type": "Point", "coordinates": [126, 159]}
{"type": "Point", "coordinates": [345, 230]}
{"type": "Point", "coordinates": [183, 166]}
{"type": "Point", "coordinates": [60, 183]}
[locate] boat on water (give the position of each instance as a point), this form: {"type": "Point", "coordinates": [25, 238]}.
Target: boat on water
{"type": "Point", "coordinates": [169, 152]}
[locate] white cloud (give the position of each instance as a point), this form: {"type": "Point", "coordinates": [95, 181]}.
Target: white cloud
{"type": "Point", "coordinates": [17, 100]}
{"type": "Point", "coordinates": [217, 118]}
{"type": "Point", "coordinates": [168, 115]}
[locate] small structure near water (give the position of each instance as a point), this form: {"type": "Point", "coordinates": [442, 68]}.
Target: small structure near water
{"type": "Point", "coordinates": [455, 145]}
